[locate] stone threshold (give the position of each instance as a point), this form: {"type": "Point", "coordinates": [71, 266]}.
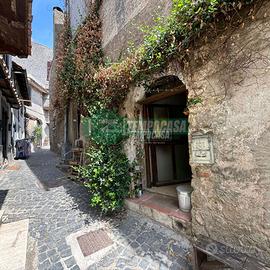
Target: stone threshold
{"type": "Point", "coordinates": [163, 209]}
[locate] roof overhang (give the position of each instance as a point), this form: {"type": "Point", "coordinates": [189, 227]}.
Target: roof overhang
{"type": "Point", "coordinates": [38, 86]}
{"type": "Point", "coordinates": [15, 27]}
{"type": "Point", "coordinates": [31, 116]}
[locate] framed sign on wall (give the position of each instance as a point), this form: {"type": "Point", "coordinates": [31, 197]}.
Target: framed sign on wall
{"type": "Point", "coordinates": [202, 149]}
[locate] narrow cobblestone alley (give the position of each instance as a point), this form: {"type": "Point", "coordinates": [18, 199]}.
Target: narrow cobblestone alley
{"type": "Point", "coordinates": [56, 208]}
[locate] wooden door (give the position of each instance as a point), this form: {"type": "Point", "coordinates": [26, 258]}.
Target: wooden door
{"type": "Point", "coordinates": [167, 155]}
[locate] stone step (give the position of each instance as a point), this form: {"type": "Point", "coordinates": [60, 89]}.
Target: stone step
{"type": "Point", "coordinates": [163, 209]}
{"type": "Point", "coordinates": [13, 243]}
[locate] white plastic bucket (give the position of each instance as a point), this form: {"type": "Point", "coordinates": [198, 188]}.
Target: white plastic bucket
{"type": "Point", "coordinates": [184, 197]}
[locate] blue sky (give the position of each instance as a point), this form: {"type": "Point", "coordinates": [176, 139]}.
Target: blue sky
{"type": "Point", "coordinates": [42, 25]}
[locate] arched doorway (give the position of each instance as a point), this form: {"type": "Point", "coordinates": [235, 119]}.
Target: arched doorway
{"type": "Point", "coordinates": [166, 139]}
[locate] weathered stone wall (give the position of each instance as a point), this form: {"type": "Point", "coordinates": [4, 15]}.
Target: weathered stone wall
{"type": "Point", "coordinates": [56, 119]}
{"type": "Point", "coordinates": [133, 146]}
{"type": "Point", "coordinates": [121, 21]}
{"type": "Point", "coordinates": [232, 77]}
{"type": "Point", "coordinates": [231, 197]}
{"type": "Point", "coordinates": [78, 11]}
{"type": "Point", "coordinates": [64, 125]}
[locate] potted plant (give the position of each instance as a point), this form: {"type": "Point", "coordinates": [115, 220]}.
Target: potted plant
{"type": "Point", "coordinates": [37, 136]}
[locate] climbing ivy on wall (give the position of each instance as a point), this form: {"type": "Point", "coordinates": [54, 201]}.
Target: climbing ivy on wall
{"type": "Point", "coordinates": [62, 58]}
{"type": "Point", "coordinates": [106, 173]}
{"type": "Point", "coordinates": [84, 76]}
{"type": "Point", "coordinates": [171, 37]}
{"type": "Point", "coordinates": [77, 61]}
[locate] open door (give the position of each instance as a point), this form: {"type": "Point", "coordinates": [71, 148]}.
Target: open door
{"type": "Point", "coordinates": [166, 142]}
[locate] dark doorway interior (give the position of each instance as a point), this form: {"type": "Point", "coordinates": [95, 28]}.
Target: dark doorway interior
{"type": "Point", "coordinates": [167, 152]}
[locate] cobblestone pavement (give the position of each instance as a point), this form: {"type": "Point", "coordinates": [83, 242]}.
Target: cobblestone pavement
{"type": "Point", "coordinates": [57, 207]}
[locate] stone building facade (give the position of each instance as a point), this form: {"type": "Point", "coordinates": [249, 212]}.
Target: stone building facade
{"type": "Point", "coordinates": [122, 20]}
{"type": "Point", "coordinates": [234, 86]}
{"type": "Point", "coordinates": [56, 120]}
{"type": "Point", "coordinates": [65, 126]}
{"type": "Point", "coordinates": [229, 129]}
{"type": "Point", "coordinates": [38, 113]}
{"type": "Point", "coordinates": [14, 95]}
{"type": "Point", "coordinates": [37, 70]}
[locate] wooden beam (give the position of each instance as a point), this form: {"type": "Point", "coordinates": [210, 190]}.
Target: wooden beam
{"type": "Point", "coordinates": [163, 95]}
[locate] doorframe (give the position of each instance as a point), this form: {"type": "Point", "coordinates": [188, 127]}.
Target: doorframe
{"type": "Point", "coordinates": [149, 151]}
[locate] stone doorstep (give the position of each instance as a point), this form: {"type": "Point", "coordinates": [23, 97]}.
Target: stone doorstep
{"type": "Point", "coordinates": [151, 206]}
{"type": "Point", "coordinates": [214, 265]}
{"type": "Point", "coordinates": [63, 167]}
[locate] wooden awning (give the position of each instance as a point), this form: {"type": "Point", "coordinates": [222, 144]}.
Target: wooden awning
{"type": "Point", "coordinates": [15, 27]}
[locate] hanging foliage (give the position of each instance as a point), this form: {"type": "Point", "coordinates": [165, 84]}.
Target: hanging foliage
{"type": "Point", "coordinates": [83, 76]}
{"type": "Point", "coordinates": [107, 177]}
{"type": "Point", "coordinates": [62, 59]}
{"type": "Point", "coordinates": [77, 61]}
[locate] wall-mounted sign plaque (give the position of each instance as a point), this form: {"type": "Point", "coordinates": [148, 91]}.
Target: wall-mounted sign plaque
{"type": "Point", "coordinates": [202, 149]}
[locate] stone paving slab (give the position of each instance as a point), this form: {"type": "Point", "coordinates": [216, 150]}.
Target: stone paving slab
{"type": "Point", "coordinates": [57, 208]}
{"type": "Point", "coordinates": [13, 245]}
